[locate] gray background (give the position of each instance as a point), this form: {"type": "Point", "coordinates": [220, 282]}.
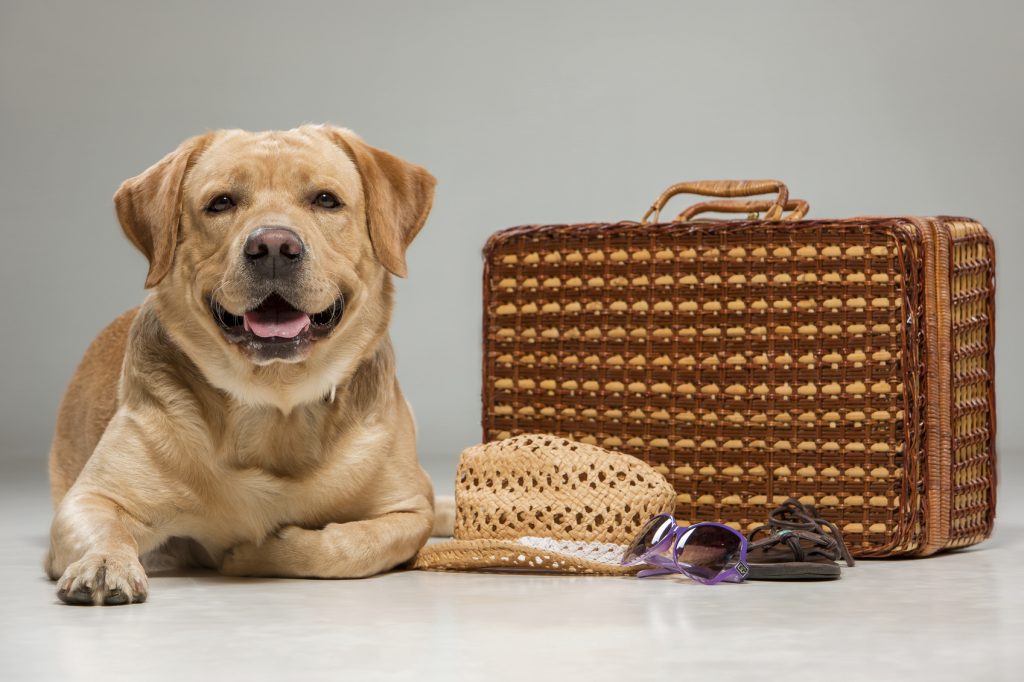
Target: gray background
{"type": "Point", "coordinates": [525, 112]}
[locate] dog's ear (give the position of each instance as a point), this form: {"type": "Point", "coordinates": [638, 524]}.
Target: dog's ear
{"type": "Point", "coordinates": [398, 197]}
{"type": "Point", "coordinates": [149, 206]}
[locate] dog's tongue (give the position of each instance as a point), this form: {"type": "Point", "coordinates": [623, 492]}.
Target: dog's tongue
{"type": "Point", "coordinates": [280, 322]}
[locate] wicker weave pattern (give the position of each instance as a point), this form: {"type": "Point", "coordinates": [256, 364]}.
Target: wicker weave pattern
{"type": "Point", "coordinates": [542, 485]}
{"type": "Point", "coordinates": [972, 303]}
{"type": "Point", "coordinates": [746, 361]}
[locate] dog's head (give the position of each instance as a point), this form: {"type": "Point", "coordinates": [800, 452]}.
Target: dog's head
{"type": "Point", "coordinates": [269, 252]}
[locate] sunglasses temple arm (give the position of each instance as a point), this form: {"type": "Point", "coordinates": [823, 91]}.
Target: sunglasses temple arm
{"type": "Point", "coordinates": [660, 566]}
{"type": "Point", "coordinates": [730, 575]}
{"type": "Point", "coordinates": [648, 572]}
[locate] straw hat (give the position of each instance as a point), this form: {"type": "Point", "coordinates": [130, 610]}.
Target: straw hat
{"type": "Point", "coordinates": [543, 503]}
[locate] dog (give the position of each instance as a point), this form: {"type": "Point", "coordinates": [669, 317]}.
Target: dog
{"type": "Point", "coordinates": [246, 417]}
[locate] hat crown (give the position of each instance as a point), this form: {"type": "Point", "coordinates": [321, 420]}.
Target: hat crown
{"type": "Point", "coordinates": [544, 486]}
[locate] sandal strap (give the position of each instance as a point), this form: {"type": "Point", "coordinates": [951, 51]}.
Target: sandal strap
{"type": "Point", "coordinates": [791, 522]}
{"type": "Point", "coordinates": [801, 543]}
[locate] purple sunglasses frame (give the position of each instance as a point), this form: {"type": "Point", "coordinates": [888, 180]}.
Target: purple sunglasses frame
{"type": "Point", "coordinates": [735, 573]}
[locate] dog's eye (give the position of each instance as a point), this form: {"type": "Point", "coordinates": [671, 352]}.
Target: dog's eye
{"type": "Point", "coordinates": [220, 204]}
{"type": "Point", "coordinates": [327, 200]}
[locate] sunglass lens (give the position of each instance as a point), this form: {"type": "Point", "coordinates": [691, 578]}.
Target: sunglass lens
{"type": "Point", "coordinates": [653, 532]}
{"type": "Point", "coordinates": [708, 550]}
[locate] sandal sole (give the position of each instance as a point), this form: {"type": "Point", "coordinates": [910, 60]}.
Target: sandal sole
{"type": "Point", "coordinates": [794, 570]}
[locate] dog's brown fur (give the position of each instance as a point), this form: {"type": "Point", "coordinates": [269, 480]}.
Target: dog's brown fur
{"type": "Point", "coordinates": [173, 443]}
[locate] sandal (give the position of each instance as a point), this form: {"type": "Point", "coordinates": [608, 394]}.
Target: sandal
{"type": "Point", "coordinates": [800, 546]}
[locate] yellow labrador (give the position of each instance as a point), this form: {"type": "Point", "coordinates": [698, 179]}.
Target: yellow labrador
{"type": "Point", "coordinates": [246, 416]}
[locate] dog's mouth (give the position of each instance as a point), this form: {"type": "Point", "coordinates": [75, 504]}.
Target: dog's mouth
{"type": "Point", "coordinates": [276, 329]}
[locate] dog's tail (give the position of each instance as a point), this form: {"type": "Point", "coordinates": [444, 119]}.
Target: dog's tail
{"type": "Point", "coordinates": [444, 516]}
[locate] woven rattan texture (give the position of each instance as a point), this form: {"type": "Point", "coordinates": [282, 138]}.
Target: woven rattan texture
{"type": "Point", "coordinates": [972, 305]}
{"type": "Point", "coordinates": [746, 361]}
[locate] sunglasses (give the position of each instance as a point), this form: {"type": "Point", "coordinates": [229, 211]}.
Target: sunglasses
{"type": "Point", "coordinates": [709, 553]}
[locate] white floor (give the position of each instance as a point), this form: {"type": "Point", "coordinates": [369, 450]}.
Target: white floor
{"type": "Point", "coordinates": [957, 617]}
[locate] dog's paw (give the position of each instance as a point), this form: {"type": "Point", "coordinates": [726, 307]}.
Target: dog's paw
{"type": "Point", "coordinates": [240, 560]}
{"type": "Point", "coordinates": [281, 554]}
{"type": "Point", "coordinates": [103, 581]}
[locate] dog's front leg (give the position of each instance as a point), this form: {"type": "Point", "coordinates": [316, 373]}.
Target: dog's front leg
{"type": "Point", "coordinates": [94, 551]}
{"type": "Point", "coordinates": [108, 516]}
{"type": "Point", "coordinates": [355, 549]}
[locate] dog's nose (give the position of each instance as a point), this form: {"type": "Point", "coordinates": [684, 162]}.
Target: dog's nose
{"type": "Point", "coordinates": [274, 251]}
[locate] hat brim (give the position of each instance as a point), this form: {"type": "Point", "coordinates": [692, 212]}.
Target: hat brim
{"type": "Point", "coordinates": [508, 555]}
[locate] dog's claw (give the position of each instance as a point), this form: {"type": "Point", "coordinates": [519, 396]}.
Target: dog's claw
{"type": "Point", "coordinates": [81, 595]}
{"type": "Point", "coordinates": [115, 597]}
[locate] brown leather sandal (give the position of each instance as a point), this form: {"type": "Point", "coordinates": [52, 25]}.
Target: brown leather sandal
{"type": "Point", "coordinates": [800, 545]}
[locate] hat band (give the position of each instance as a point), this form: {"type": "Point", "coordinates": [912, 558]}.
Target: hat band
{"type": "Point", "coordinates": [608, 553]}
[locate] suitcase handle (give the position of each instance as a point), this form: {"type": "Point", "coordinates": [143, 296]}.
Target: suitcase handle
{"type": "Point", "coordinates": [797, 208]}
{"type": "Point", "coordinates": [724, 188]}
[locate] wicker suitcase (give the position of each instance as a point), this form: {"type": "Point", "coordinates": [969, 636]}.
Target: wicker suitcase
{"type": "Point", "coordinates": [848, 363]}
